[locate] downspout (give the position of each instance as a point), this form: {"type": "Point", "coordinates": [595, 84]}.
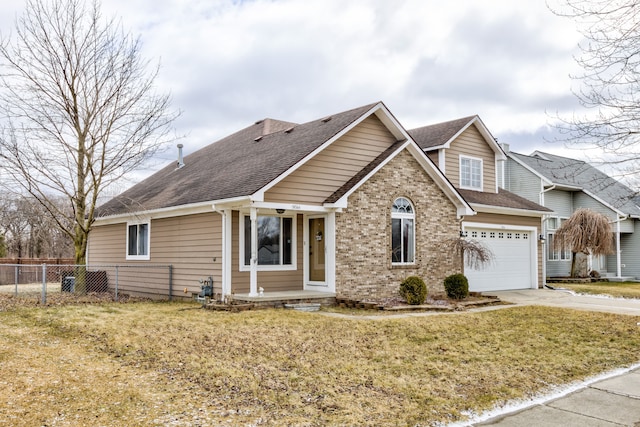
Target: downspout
{"type": "Point", "coordinates": [225, 286]}
{"type": "Point", "coordinates": [543, 231]}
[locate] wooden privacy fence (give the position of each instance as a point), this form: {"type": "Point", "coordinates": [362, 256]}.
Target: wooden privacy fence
{"type": "Point", "coordinates": [29, 280]}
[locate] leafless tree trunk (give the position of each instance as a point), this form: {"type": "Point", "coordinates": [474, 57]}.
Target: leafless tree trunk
{"type": "Point", "coordinates": [610, 81]}
{"type": "Point", "coordinates": [80, 110]}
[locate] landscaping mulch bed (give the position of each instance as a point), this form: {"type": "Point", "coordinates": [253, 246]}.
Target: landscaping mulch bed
{"type": "Point", "coordinates": [432, 303]}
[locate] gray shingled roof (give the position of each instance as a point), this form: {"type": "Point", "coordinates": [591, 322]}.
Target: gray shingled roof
{"type": "Point", "coordinates": [502, 198]}
{"type": "Point", "coordinates": [235, 166]}
{"type": "Point", "coordinates": [438, 134]}
{"type": "Point", "coordinates": [577, 173]}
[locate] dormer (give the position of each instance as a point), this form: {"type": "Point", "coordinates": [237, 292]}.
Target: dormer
{"type": "Point", "coordinates": [465, 151]}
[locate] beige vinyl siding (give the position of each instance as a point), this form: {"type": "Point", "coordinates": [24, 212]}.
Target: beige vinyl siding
{"type": "Point", "coordinates": [108, 244]}
{"type": "Point", "coordinates": [472, 144]}
{"type": "Point", "coordinates": [188, 243]}
{"type": "Point", "coordinates": [271, 281]}
{"type": "Point", "coordinates": [322, 175]}
{"type": "Point", "coordinates": [525, 221]}
{"type": "Point", "coordinates": [433, 155]}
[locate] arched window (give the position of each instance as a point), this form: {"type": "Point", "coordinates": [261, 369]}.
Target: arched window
{"type": "Point", "coordinates": [402, 232]}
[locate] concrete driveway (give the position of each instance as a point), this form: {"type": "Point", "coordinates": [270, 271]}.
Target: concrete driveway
{"type": "Point", "coordinates": [567, 299]}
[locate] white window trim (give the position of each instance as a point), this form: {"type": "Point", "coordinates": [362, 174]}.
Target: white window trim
{"type": "Point", "coordinates": [470, 187]}
{"type": "Point", "coordinates": [294, 245]}
{"type": "Point", "coordinates": [402, 215]}
{"type": "Point", "coordinates": [557, 252]}
{"type": "Point", "coordinates": [146, 257]}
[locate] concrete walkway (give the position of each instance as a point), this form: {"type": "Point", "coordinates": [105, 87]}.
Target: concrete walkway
{"type": "Point", "coordinates": [567, 299]}
{"type": "Point", "coordinates": [612, 401]}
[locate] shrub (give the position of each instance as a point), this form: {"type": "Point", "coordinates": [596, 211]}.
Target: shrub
{"type": "Point", "coordinates": [456, 286]}
{"type": "Point", "coordinates": [413, 290]}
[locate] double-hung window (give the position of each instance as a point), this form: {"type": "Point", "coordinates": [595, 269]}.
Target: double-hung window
{"type": "Point", "coordinates": [470, 173]}
{"type": "Point", "coordinates": [275, 242]}
{"type": "Point", "coordinates": [138, 241]}
{"type": "Point", "coordinates": [402, 232]}
{"type": "Point", "coordinates": [556, 254]}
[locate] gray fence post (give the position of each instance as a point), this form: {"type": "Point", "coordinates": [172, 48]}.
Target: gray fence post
{"type": "Point", "coordinates": [44, 284]}
{"type": "Point", "coordinates": [16, 279]}
{"type": "Point", "coordinates": [170, 282]}
{"type": "Point", "coordinates": [116, 294]}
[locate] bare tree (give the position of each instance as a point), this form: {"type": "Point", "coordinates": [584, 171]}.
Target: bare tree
{"type": "Point", "coordinates": [29, 231]}
{"type": "Point", "coordinates": [80, 109]}
{"type": "Point", "coordinates": [471, 253]}
{"type": "Point", "coordinates": [587, 232]}
{"type": "Point", "coordinates": [610, 81]}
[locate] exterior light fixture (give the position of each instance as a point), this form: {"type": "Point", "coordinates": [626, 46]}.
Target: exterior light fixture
{"type": "Point", "coordinates": [280, 211]}
{"type": "Point", "coordinates": [541, 238]}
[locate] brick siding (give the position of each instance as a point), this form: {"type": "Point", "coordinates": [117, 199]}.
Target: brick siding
{"type": "Point", "coordinates": [363, 233]}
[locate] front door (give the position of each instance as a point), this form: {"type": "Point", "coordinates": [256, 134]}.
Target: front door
{"type": "Point", "coordinates": [316, 239]}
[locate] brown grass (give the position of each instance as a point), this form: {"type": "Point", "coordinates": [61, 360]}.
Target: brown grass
{"type": "Point", "coordinates": [173, 364]}
{"type": "Point", "coordinates": [614, 289]}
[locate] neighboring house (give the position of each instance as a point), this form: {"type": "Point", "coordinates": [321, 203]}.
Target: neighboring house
{"type": "Point", "coordinates": [564, 185]}
{"type": "Point", "coordinates": [346, 205]}
{"type": "Point", "coordinates": [510, 225]}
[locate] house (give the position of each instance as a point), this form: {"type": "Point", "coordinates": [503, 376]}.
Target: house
{"type": "Point", "coordinates": [347, 205]}
{"type": "Point", "coordinates": [508, 224]}
{"type": "Point", "coordinates": [564, 185]}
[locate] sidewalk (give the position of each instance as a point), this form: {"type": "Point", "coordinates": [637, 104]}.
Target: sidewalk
{"type": "Point", "coordinates": [610, 402]}
{"type": "Point", "coordinates": [613, 401]}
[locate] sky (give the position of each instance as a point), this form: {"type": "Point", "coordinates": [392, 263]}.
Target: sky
{"type": "Point", "coordinates": [229, 63]}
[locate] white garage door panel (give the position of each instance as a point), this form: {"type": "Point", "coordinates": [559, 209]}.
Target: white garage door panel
{"type": "Point", "coordinates": [512, 265]}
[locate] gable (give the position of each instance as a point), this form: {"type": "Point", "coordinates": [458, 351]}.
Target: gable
{"type": "Point", "coordinates": [336, 164]}
{"type": "Point", "coordinates": [471, 143]}
{"type": "Point", "coordinates": [404, 176]}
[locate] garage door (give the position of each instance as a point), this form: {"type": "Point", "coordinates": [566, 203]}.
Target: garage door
{"type": "Point", "coordinates": [512, 266]}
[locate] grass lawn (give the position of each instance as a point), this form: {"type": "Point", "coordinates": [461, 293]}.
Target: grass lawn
{"type": "Point", "coordinates": [174, 364]}
{"type": "Point", "coordinates": [614, 289]}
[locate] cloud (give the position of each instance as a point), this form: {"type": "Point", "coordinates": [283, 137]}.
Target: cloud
{"type": "Point", "coordinates": [230, 63]}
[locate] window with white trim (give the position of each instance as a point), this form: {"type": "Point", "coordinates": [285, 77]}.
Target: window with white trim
{"type": "Point", "coordinates": [402, 232]}
{"type": "Point", "coordinates": [276, 242]}
{"type": "Point", "coordinates": [138, 238]}
{"type": "Point", "coordinates": [556, 254]}
{"type": "Point", "coordinates": [470, 173]}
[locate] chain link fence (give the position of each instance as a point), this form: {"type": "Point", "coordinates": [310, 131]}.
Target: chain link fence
{"type": "Point", "coordinates": [69, 282]}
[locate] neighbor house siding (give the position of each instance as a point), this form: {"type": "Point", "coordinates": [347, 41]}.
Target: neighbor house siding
{"type": "Point", "coordinates": [322, 175]}
{"type": "Point", "coordinates": [191, 244]}
{"type": "Point", "coordinates": [521, 181]}
{"type": "Point", "coordinates": [561, 202]}
{"type": "Point", "coordinates": [514, 220]}
{"type": "Point", "coordinates": [363, 233]}
{"type": "Point", "coordinates": [630, 247]}
{"type": "Point", "coordinates": [271, 281]}
{"type": "Point", "coordinates": [472, 144]}
{"type": "Point", "coordinates": [582, 200]}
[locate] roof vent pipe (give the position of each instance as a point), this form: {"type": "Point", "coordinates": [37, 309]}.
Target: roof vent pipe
{"type": "Point", "coordinates": [180, 161]}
